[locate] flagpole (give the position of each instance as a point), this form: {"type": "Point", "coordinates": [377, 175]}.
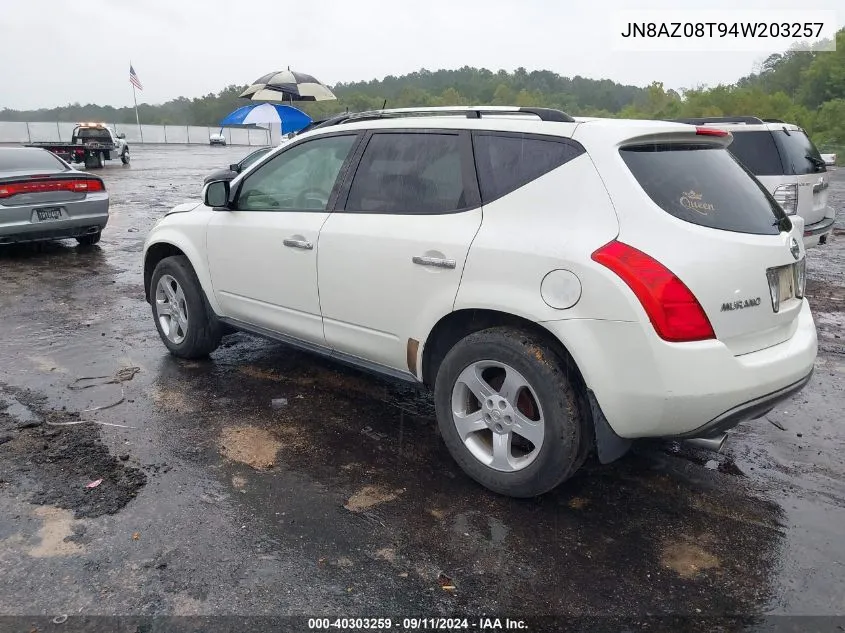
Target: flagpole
{"type": "Point", "coordinates": [137, 119]}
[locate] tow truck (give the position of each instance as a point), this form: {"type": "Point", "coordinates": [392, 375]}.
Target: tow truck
{"type": "Point", "coordinates": [92, 144]}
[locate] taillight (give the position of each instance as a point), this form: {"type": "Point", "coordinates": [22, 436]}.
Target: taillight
{"type": "Point", "coordinates": [709, 131]}
{"type": "Point", "coordinates": [672, 309]}
{"type": "Point", "coordinates": [773, 277]}
{"type": "Point", "coordinates": [800, 271]}
{"type": "Point", "coordinates": [76, 185]}
{"type": "Point", "coordinates": [787, 197]}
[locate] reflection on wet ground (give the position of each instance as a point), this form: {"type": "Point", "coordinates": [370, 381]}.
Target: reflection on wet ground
{"type": "Point", "coordinates": [267, 481]}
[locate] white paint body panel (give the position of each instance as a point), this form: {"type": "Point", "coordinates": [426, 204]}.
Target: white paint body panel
{"type": "Point", "coordinates": [373, 297]}
{"type": "Point", "coordinates": [185, 228]}
{"type": "Point", "coordinates": [650, 388]}
{"type": "Point", "coordinates": [259, 280]}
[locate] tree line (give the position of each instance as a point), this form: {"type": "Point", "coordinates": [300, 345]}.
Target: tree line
{"type": "Point", "coordinates": [806, 87]}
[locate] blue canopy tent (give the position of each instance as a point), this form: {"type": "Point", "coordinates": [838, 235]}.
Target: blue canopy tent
{"type": "Point", "coordinates": [289, 118]}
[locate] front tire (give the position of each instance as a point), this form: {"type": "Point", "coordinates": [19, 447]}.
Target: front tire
{"type": "Point", "coordinates": [185, 323]}
{"type": "Point", "coordinates": [509, 412]}
{"type": "Point", "coordinates": [124, 157]}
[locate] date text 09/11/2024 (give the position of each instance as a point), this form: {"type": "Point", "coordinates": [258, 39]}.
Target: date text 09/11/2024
{"type": "Point", "coordinates": [418, 624]}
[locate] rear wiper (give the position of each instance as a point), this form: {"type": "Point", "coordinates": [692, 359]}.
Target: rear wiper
{"type": "Point", "coordinates": [781, 224]}
{"type": "Point", "coordinates": [817, 162]}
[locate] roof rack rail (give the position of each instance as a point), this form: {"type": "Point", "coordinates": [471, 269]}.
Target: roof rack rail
{"type": "Point", "coordinates": [748, 120]}
{"type": "Point", "coordinates": [774, 121]}
{"type": "Point", "coordinates": [470, 112]}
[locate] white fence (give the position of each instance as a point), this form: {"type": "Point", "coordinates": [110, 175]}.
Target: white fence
{"type": "Point", "coordinates": [35, 132]}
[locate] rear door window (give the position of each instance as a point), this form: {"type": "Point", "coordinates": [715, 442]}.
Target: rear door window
{"type": "Point", "coordinates": [758, 152]}
{"type": "Point", "coordinates": [704, 185]}
{"type": "Point", "coordinates": [413, 173]}
{"type": "Point", "coordinates": [506, 162]}
{"type": "Point", "coordinates": [799, 154]}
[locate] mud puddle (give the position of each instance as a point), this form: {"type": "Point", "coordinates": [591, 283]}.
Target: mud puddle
{"type": "Point", "coordinates": [53, 465]}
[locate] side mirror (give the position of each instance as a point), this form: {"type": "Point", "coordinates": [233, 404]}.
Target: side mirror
{"type": "Point", "coordinates": [217, 194]}
{"type": "Point", "coordinates": [235, 168]}
{"type": "Point", "coordinates": [121, 135]}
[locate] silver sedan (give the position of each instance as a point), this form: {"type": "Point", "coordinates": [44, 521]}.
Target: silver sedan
{"type": "Point", "coordinates": [44, 198]}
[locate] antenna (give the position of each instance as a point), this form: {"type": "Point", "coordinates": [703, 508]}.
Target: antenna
{"type": "Point", "coordinates": [384, 105]}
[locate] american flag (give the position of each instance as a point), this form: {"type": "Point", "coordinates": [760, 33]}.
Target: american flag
{"type": "Point", "coordinates": [133, 78]}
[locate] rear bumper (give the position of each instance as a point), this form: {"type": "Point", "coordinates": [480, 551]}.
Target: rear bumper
{"type": "Point", "coordinates": [46, 235]}
{"type": "Point", "coordinates": [647, 387]}
{"type": "Point", "coordinates": [751, 410]}
{"type": "Point", "coordinates": [85, 217]}
{"type": "Point", "coordinates": [817, 232]}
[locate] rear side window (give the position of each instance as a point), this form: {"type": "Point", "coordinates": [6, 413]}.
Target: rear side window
{"type": "Point", "coordinates": [704, 185]}
{"type": "Point", "coordinates": [798, 153]}
{"type": "Point", "coordinates": [758, 152]}
{"type": "Point", "coordinates": [506, 162]}
{"type": "Point", "coordinates": [409, 173]}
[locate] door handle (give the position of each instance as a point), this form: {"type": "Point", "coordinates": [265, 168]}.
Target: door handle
{"type": "Point", "coordinates": [437, 262]}
{"type": "Point", "coordinates": [304, 244]}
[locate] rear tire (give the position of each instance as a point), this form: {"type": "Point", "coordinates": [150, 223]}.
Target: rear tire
{"type": "Point", "coordinates": [186, 324]}
{"type": "Point", "coordinates": [90, 239]}
{"type": "Point", "coordinates": [94, 160]}
{"type": "Point", "coordinates": [531, 407]}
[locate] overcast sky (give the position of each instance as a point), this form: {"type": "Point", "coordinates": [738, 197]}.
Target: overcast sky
{"type": "Point", "coordinates": [54, 52]}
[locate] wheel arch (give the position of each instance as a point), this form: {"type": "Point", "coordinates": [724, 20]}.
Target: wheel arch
{"type": "Point", "coordinates": [164, 248]}
{"type": "Point", "coordinates": [458, 324]}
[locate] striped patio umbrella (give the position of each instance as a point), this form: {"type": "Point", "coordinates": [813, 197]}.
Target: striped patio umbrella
{"type": "Point", "coordinates": [287, 85]}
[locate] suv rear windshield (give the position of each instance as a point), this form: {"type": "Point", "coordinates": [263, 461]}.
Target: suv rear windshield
{"type": "Point", "coordinates": [776, 153]}
{"type": "Point", "coordinates": [758, 152]}
{"type": "Point", "coordinates": [704, 185]}
{"type": "Point", "coordinates": [798, 153]}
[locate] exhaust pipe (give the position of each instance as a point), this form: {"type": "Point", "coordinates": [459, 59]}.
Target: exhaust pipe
{"type": "Point", "coordinates": [714, 443]}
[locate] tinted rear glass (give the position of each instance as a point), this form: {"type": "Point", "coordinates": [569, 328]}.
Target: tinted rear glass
{"type": "Point", "coordinates": [94, 134]}
{"type": "Point", "coordinates": [409, 173]}
{"type": "Point", "coordinates": [798, 153]}
{"type": "Point", "coordinates": [704, 185]}
{"type": "Point", "coordinates": [27, 159]}
{"type": "Point", "coordinates": [507, 162]}
{"type": "Point", "coordinates": [758, 152]}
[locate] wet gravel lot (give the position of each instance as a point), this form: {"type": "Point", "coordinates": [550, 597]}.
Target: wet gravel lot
{"type": "Point", "coordinates": [341, 500]}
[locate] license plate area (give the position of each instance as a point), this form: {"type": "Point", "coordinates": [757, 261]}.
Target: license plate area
{"type": "Point", "coordinates": [786, 283]}
{"type": "Point", "coordinates": [48, 214]}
